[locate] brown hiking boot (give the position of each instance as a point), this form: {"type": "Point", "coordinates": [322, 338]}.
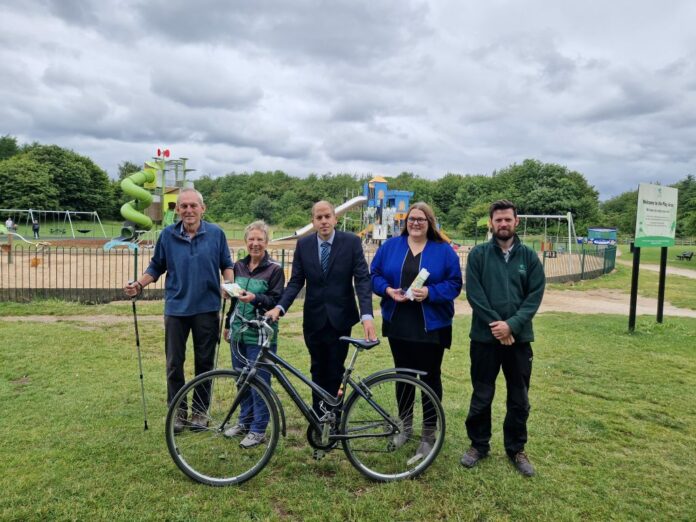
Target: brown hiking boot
{"type": "Point", "coordinates": [180, 422]}
{"type": "Point", "coordinates": [471, 457]}
{"type": "Point", "coordinates": [521, 462]}
{"type": "Point", "coordinates": [199, 422]}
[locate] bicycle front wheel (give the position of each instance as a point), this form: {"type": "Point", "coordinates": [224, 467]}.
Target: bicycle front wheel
{"type": "Point", "coordinates": [374, 447]}
{"type": "Point", "coordinates": [202, 450]}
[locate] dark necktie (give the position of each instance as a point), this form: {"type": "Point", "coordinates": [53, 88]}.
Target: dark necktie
{"type": "Point", "coordinates": [325, 251]}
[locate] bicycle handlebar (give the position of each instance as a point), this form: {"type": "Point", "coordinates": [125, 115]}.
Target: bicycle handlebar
{"type": "Point", "coordinates": [260, 323]}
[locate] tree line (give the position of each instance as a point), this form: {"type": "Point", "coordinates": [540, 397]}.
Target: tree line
{"type": "Point", "coordinates": [53, 178]}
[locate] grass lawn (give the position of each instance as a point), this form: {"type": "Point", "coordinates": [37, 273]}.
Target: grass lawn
{"type": "Point", "coordinates": [651, 256]}
{"type": "Point", "coordinates": [679, 290]}
{"type": "Point", "coordinates": [612, 431]}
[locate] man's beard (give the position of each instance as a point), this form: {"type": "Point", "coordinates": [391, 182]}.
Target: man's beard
{"type": "Point", "coordinates": [504, 235]}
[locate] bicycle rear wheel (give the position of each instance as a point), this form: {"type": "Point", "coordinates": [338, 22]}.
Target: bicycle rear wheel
{"type": "Point", "coordinates": [202, 451]}
{"type": "Point", "coordinates": [374, 448]}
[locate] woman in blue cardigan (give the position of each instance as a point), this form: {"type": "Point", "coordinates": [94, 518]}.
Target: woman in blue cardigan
{"type": "Point", "coordinates": [420, 329]}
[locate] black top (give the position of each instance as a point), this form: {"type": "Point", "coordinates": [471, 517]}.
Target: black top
{"type": "Point", "coordinates": [408, 321]}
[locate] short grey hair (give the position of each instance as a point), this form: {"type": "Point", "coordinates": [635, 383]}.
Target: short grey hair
{"type": "Point", "coordinates": [257, 225]}
{"type": "Point", "coordinates": [190, 189]}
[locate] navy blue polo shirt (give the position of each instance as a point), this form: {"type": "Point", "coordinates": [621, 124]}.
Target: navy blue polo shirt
{"type": "Point", "coordinates": [193, 267]}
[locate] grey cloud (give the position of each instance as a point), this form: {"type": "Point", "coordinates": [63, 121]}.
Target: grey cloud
{"type": "Point", "coordinates": [212, 91]}
{"type": "Point", "coordinates": [363, 143]}
{"type": "Point", "coordinates": [633, 98]}
{"type": "Point", "coordinates": [358, 104]}
{"type": "Point", "coordinates": [526, 49]}
{"type": "Point", "coordinates": [76, 12]}
{"type": "Point", "coordinates": [341, 30]}
{"type": "Point", "coordinates": [267, 140]}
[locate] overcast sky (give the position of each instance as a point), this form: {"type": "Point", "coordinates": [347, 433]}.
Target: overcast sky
{"type": "Point", "coordinates": [364, 87]}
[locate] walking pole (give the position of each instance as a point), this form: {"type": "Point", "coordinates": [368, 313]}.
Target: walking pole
{"type": "Point", "coordinates": [222, 321]}
{"type": "Point", "coordinates": [217, 353]}
{"type": "Point", "coordinates": [140, 361]}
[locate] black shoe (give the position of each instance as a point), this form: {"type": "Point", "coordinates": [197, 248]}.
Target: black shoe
{"type": "Point", "coordinates": [180, 422]}
{"type": "Point", "coordinates": [471, 457]}
{"type": "Point", "coordinates": [521, 462]}
{"type": "Point", "coordinates": [199, 422]}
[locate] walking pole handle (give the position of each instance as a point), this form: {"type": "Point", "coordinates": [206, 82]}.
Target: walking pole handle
{"type": "Point", "coordinates": [140, 288]}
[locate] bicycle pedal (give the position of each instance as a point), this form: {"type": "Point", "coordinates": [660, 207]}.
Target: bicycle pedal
{"type": "Point", "coordinates": [414, 459]}
{"type": "Point", "coordinates": [318, 454]}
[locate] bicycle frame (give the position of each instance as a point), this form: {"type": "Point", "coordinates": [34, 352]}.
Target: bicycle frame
{"type": "Point", "coordinates": [276, 364]}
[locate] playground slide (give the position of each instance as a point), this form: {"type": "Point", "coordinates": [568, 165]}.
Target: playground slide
{"type": "Point", "coordinates": [132, 210]}
{"type": "Point", "coordinates": [340, 210]}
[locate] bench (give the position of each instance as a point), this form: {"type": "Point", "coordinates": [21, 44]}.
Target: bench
{"type": "Point", "coordinates": [685, 256]}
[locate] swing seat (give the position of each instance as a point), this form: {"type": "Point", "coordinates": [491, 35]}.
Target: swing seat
{"type": "Point", "coordinates": [84, 230]}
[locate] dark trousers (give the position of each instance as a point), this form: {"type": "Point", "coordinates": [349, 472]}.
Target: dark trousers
{"type": "Point", "coordinates": [205, 330]}
{"type": "Point", "coordinates": [426, 357]}
{"type": "Point", "coordinates": [486, 361]}
{"type": "Point", "coordinates": [328, 356]}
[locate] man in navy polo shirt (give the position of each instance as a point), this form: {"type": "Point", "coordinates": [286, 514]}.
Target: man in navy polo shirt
{"type": "Point", "coordinates": [193, 253]}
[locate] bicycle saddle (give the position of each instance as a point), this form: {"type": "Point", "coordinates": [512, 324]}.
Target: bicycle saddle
{"type": "Point", "coordinates": [363, 344]}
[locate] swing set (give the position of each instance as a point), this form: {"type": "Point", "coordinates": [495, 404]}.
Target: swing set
{"type": "Point", "coordinates": [548, 243]}
{"type": "Point", "coordinates": [57, 223]}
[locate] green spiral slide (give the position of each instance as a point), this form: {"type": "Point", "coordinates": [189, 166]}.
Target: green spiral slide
{"type": "Point", "coordinates": [132, 211]}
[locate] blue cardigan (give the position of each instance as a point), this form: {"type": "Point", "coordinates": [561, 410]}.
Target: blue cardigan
{"type": "Point", "coordinates": [444, 282]}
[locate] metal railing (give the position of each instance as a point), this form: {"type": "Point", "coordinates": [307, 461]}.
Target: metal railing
{"type": "Point", "coordinates": [93, 275]}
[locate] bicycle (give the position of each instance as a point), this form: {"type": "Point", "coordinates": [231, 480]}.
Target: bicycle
{"type": "Point", "coordinates": [380, 424]}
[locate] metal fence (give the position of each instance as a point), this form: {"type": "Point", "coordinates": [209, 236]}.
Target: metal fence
{"type": "Point", "coordinates": [92, 275]}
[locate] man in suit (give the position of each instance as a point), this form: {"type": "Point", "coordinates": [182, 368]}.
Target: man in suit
{"type": "Point", "coordinates": [329, 263]}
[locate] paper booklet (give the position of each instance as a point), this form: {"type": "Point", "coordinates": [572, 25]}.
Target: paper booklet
{"type": "Point", "coordinates": [418, 282]}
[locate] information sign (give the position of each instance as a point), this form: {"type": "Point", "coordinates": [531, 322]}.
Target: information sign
{"type": "Point", "coordinates": [656, 219]}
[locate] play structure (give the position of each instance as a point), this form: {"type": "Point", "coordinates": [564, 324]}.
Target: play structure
{"type": "Point", "coordinates": [383, 212]}
{"type": "Point", "coordinates": [57, 223]}
{"type": "Point", "coordinates": [386, 210]}
{"type": "Point", "coordinates": [154, 190]}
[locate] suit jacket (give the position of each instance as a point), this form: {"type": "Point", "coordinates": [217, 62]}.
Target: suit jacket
{"type": "Point", "coordinates": [330, 297]}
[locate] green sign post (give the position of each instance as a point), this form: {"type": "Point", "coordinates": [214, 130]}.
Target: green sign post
{"type": "Point", "coordinates": [656, 222]}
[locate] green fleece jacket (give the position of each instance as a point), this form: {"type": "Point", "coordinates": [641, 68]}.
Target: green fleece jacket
{"type": "Point", "coordinates": [503, 291]}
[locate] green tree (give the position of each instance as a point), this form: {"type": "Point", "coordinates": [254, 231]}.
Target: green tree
{"type": "Point", "coordinates": [8, 147]}
{"type": "Point", "coordinates": [262, 208]}
{"type": "Point", "coordinates": [126, 168]}
{"type": "Point", "coordinates": [620, 212]}
{"type": "Point", "coordinates": [686, 207]}
{"type": "Point", "coordinates": [549, 188]}
{"type": "Point", "coordinates": [444, 196]}
{"type": "Point", "coordinates": [25, 183]}
{"type": "Point", "coordinates": [81, 184]}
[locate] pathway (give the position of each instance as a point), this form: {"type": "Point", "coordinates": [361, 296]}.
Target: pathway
{"type": "Point", "coordinates": [671, 270]}
{"type": "Point", "coordinates": [570, 301]}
